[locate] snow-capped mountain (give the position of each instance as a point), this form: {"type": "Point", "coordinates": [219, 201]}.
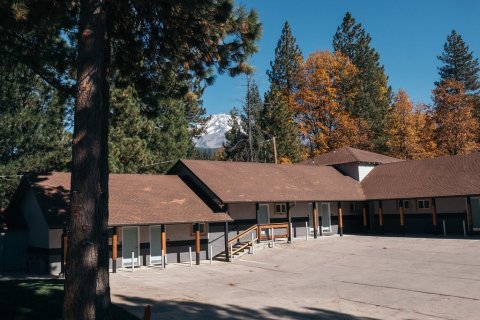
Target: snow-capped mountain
{"type": "Point", "coordinates": [213, 136]}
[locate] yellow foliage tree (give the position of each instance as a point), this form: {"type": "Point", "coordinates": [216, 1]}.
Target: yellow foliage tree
{"type": "Point", "coordinates": [456, 127]}
{"type": "Point", "coordinates": [408, 130]}
{"type": "Point", "coordinates": [320, 104]}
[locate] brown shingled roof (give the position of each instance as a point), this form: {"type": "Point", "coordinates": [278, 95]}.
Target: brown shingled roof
{"type": "Point", "coordinates": [134, 199]}
{"type": "Point", "coordinates": [348, 155]}
{"type": "Point", "coordinates": [438, 177]}
{"type": "Point", "coordinates": [263, 182]}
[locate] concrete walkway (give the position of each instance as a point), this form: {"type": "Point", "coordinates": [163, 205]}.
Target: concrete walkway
{"type": "Point", "coordinates": [353, 277]}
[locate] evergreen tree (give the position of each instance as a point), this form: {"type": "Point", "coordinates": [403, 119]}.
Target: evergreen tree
{"type": "Point", "coordinates": [145, 40]}
{"type": "Point", "coordinates": [251, 123]}
{"type": "Point", "coordinates": [277, 120]}
{"type": "Point", "coordinates": [277, 116]}
{"type": "Point", "coordinates": [374, 96]}
{"type": "Point", "coordinates": [236, 147]}
{"type": "Point", "coordinates": [459, 64]}
{"type": "Point", "coordinates": [286, 65]}
{"type": "Point", "coordinates": [32, 134]}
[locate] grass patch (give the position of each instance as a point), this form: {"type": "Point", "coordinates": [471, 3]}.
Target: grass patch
{"type": "Point", "coordinates": [39, 299]}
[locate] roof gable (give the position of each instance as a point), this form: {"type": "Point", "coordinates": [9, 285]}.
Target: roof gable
{"type": "Point", "coordinates": [134, 199]}
{"type": "Point", "coordinates": [349, 155]}
{"type": "Point", "coordinates": [436, 177]}
{"type": "Point", "coordinates": [265, 182]}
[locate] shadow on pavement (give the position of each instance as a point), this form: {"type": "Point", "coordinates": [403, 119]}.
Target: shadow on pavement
{"type": "Point", "coordinates": [188, 309]}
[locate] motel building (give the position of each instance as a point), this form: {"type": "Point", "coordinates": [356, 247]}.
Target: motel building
{"type": "Point", "coordinates": [216, 209]}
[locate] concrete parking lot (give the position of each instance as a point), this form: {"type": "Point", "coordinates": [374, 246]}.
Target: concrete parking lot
{"type": "Point", "coordinates": [354, 277]}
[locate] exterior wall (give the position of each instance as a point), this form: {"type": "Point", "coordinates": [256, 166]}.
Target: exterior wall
{"type": "Point", "coordinates": [38, 255]}
{"type": "Point", "coordinates": [179, 239]}
{"type": "Point", "coordinates": [451, 210]}
{"type": "Point", "coordinates": [15, 245]}
{"type": "Point", "coordinates": [55, 250]}
{"type": "Point", "coordinates": [364, 170]}
{"type": "Point", "coordinates": [350, 169]}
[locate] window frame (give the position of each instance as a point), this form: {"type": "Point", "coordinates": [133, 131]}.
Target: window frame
{"type": "Point", "coordinates": [424, 201]}
{"type": "Point", "coordinates": [192, 229]}
{"type": "Point", "coordinates": [282, 206]}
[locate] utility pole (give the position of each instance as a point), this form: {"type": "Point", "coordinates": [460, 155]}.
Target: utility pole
{"type": "Point", "coordinates": [249, 115]}
{"type": "Point", "coordinates": [275, 150]}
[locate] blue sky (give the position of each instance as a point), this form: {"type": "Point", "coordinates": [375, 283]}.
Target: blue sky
{"type": "Point", "coordinates": [408, 34]}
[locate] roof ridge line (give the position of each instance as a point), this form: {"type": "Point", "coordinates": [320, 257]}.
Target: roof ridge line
{"type": "Point", "coordinates": [353, 154]}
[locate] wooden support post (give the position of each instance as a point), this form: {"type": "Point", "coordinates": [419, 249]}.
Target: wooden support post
{"type": "Point", "coordinates": [64, 245]}
{"type": "Point", "coordinates": [380, 216]}
{"type": "Point", "coordinates": [227, 254]}
{"type": "Point", "coordinates": [114, 250]}
{"type": "Point", "coordinates": [469, 215]}
{"type": "Point", "coordinates": [434, 215]}
{"type": "Point", "coordinates": [147, 313]}
{"type": "Point", "coordinates": [197, 243]}
{"type": "Point", "coordinates": [164, 244]}
{"type": "Point", "coordinates": [315, 221]}
{"type": "Point", "coordinates": [364, 211]}
{"type": "Point", "coordinates": [402, 218]}
{"type": "Point", "coordinates": [340, 219]}
{"type": "Point", "coordinates": [289, 218]}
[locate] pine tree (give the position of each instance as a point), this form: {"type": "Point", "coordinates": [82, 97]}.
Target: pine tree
{"type": "Point", "coordinates": [277, 117]}
{"type": "Point", "coordinates": [374, 94]}
{"type": "Point", "coordinates": [277, 121]}
{"type": "Point", "coordinates": [286, 65]}
{"type": "Point", "coordinates": [459, 64]}
{"type": "Point", "coordinates": [32, 134]}
{"type": "Point", "coordinates": [251, 123]}
{"type": "Point", "coordinates": [235, 147]}
{"type": "Point", "coordinates": [456, 128]}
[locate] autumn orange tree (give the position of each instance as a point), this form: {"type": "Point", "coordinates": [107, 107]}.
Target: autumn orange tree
{"type": "Point", "coordinates": [408, 130]}
{"type": "Point", "coordinates": [320, 104]}
{"type": "Point", "coordinates": [456, 127]}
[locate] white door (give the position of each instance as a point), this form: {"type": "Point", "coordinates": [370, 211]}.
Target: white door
{"type": "Point", "coordinates": [155, 245]}
{"type": "Point", "coordinates": [475, 202]}
{"type": "Point", "coordinates": [263, 216]}
{"type": "Point", "coordinates": [326, 220]}
{"type": "Point", "coordinates": [130, 240]}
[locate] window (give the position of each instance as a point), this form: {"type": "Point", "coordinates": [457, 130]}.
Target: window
{"type": "Point", "coordinates": [406, 204]}
{"type": "Point", "coordinates": [203, 229]}
{"type": "Point", "coordinates": [423, 204]}
{"type": "Point", "coordinates": [280, 208]}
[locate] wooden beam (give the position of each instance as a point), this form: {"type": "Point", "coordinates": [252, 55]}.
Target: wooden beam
{"type": "Point", "coordinates": [380, 215]}
{"type": "Point", "coordinates": [114, 250]}
{"type": "Point", "coordinates": [163, 236]}
{"type": "Point", "coordinates": [364, 211]}
{"type": "Point", "coordinates": [289, 218]}
{"type": "Point", "coordinates": [340, 219]}
{"type": "Point", "coordinates": [434, 215]}
{"type": "Point", "coordinates": [315, 221]}
{"type": "Point", "coordinates": [197, 243]}
{"type": "Point", "coordinates": [402, 218]}
{"type": "Point", "coordinates": [225, 230]}
{"type": "Point", "coordinates": [469, 215]}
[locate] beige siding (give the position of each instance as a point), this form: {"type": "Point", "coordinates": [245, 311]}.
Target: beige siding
{"type": "Point", "coordinates": [241, 211]}
{"type": "Point", "coordinates": [38, 229]}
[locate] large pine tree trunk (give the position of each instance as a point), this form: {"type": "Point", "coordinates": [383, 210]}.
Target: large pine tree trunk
{"type": "Point", "coordinates": [87, 290]}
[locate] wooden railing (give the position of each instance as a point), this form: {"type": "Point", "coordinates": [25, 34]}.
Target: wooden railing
{"type": "Point", "coordinates": [272, 227]}
{"type": "Point", "coordinates": [253, 230]}
{"type": "Point", "coordinates": [236, 245]}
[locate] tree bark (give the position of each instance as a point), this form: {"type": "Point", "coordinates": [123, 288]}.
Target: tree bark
{"type": "Point", "coordinates": [87, 290]}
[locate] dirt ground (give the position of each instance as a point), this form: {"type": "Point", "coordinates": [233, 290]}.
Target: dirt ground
{"type": "Point", "coordinates": [353, 277]}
